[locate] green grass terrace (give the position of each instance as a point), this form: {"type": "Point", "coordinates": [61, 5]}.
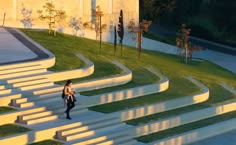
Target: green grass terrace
{"type": "Point", "coordinates": [64, 47]}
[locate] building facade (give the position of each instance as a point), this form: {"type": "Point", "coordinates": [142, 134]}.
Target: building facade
{"type": "Point", "coordinates": [81, 9]}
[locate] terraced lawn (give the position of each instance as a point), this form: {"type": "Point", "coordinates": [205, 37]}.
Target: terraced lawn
{"type": "Point", "coordinates": [158, 97]}
{"type": "Point", "coordinates": [65, 46]}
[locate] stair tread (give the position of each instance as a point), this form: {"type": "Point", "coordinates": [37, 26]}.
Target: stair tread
{"type": "Point", "coordinates": [113, 139]}
{"type": "Point", "coordinates": [93, 125]}
{"type": "Point", "coordinates": [22, 74]}
{"type": "Point", "coordinates": [30, 82]}
{"type": "Point", "coordinates": [91, 132]}
{"type": "Point", "coordinates": [28, 77]}
{"type": "Point", "coordinates": [36, 86]}
{"type": "Point", "coordinates": [96, 136]}
{"type": "Point", "coordinates": [35, 113]}
{"type": "Point", "coordinates": [16, 69]}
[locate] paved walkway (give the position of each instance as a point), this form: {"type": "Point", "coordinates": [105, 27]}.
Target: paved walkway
{"type": "Point", "coordinates": [12, 49]}
{"type": "Point", "coordinates": [224, 60]}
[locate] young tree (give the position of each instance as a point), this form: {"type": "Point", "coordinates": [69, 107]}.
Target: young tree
{"type": "Point", "coordinates": [115, 40]}
{"type": "Point", "coordinates": [182, 40]}
{"type": "Point", "coordinates": [120, 30]}
{"type": "Point", "coordinates": [98, 13]}
{"type": "Point", "coordinates": [76, 24]}
{"type": "Point", "coordinates": [3, 21]}
{"type": "Point", "coordinates": [52, 16]}
{"type": "Point", "coordinates": [142, 27]}
{"type": "Point", "coordinates": [27, 20]}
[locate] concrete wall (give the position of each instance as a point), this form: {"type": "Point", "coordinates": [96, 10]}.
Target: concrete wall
{"type": "Point", "coordinates": [126, 93]}
{"type": "Point", "coordinates": [158, 107]}
{"type": "Point", "coordinates": [74, 8]}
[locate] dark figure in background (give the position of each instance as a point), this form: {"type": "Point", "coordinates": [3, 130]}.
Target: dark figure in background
{"type": "Point", "coordinates": [69, 98]}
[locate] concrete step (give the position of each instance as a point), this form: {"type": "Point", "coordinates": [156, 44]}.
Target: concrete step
{"type": "Point", "coordinates": [93, 131]}
{"type": "Point", "coordinates": [41, 119]}
{"type": "Point", "coordinates": [31, 77]}
{"type": "Point", "coordinates": [49, 100]}
{"type": "Point", "coordinates": [108, 141]}
{"type": "Point", "coordinates": [6, 98]}
{"type": "Point", "coordinates": [86, 121]}
{"type": "Point", "coordinates": [25, 105]}
{"type": "Point", "coordinates": [48, 90]}
{"type": "Point", "coordinates": [20, 69]}
{"type": "Point", "coordinates": [61, 112]}
{"type": "Point", "coordinates": [31, 82]}
{"type": "Point", "coordinates": [96, 140]}
{"type": "Point", "coordinates": [2, 87]}
{"type": "Point", "coordinates": [120, 140]}
{"type": "Point", "coordinates": [31, 111]}
{"type": "Point", "coordinates": [19, 65]}
{"type": "Point", "coordinates": [127, 142]}
{"type": "Point", "coordinates": [35, 115]}
{"type": "Point", "coordinates": [37, 99]}
{"type": "Point", "coordinates": [90, 126]}
{"type": "Point", "coordinates": [41, 85]}
{"type": "Point", "coordinates": [5, 91]}
{"type": "Point", "coordinates": [22, 74]}
{"type": "Point", "coordinates": [16, 102]}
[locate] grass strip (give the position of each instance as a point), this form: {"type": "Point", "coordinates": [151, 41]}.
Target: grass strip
{"type": "Point", "coordinates": [5, 109]}
{"type": "Point", "coordinates": [10, 129]}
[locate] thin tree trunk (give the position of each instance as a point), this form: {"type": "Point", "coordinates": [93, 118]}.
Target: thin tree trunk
{"type": "Point", "coordinates": [186, 57]}
{"type": "Point", "coordinates": [4, 16]}
{"type": "Point", "coordinates": [100, 34]}
{"type": "Point", "coordinates": [121, 49]}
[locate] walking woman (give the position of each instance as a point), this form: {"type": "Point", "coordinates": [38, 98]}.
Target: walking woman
{"type": "Point", "coordinates": [69, 98]}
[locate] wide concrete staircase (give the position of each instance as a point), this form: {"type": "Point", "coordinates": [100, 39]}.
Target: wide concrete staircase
{"type": "Point", "coordinates": [41, 108]}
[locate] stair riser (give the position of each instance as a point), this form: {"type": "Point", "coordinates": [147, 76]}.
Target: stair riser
{"type": "Point", "coordinates": [46, 119]}
{"type": "Point", "coordinates": [27, 83]}
{"type": "Point", "coordinates": [22, 74]}
{"type": "Point", "coordinates": [91, 127]}
{"type": "Point", "coordinates": [36, 115]}
{"type": "Point", "coordinates": [7, 91]}
{"type": "Point", "coordinates": [30, 111]}
{"type": "Point", "coordinates": [23, 79]}
{"type": "Point", "coordinates": [86, 122]}
{"type": "Point", "coordinates": [89, 133]}
{"type": "Point", "coordinates": [37, 86]}
{"type": "Point", "coordinates": [17, 102]}
{"type": "Point", "coordinates": [21, 69]}
{"type": "Point", "coordinates": [92, 141]}
{"type": "Point", "coordinates": [52, 90]}
{"type": "Point", "coordinates": [2, 87]}
{"type": "Point", "coordinates": [122, 140]}
{"type": "Point", "coordinates": [25, 105]}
